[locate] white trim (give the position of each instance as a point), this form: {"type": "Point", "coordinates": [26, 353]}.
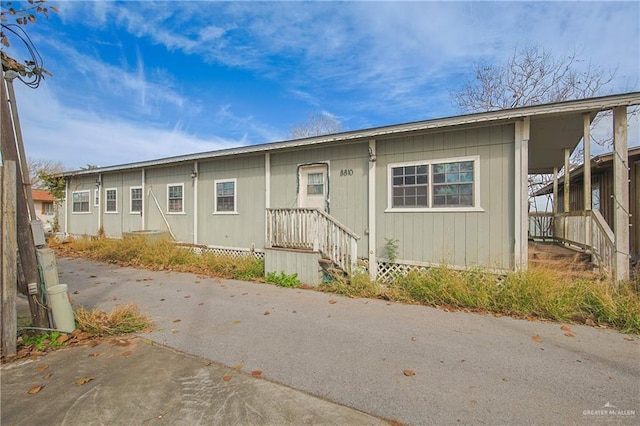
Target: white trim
{"type": "Point", "coordinates": [371, 219]}
{"type": "Point", "coordinates": [267, 180]}
{"type": "Point", "coordinates": [181, 185]}
{"type": "Point", "coordinates": [195, 202]}
{"type": "Point", "coordinates": [144, 204]}
{"type": "Point", "coordinates": [431, 209]}
{"type": "Point", "coordinates": [326, 165]}
{"type": "Point", "coordinates": [131, 188]}
{"type": "Point", "coordinates": [88, 191]}
{"type": "Point", "coordinates": [235, 196]}
{"type": "Point", "coordinates": [106, 201]}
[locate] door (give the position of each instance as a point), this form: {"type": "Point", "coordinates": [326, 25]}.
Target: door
{"type": "Point", "coordinates": [313, 187]}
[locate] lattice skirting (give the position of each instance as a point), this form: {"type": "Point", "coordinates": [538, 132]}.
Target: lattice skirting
{"type": "Point", "coordinates": [388, 271]}
{"type": "Point", "coordinates": [234, 253]}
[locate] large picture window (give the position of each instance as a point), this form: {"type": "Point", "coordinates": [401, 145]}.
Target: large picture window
{"type": "Point", "coordinates": [434, 185]}
{"type": "Point", "coordinates": [136, 199]}
{"type": "Point", "coordinates": [80, 202]}
{"type": "Point", "coordinates": [225, 196]}
{"type": "Point", "coordinates": [175, 198]}
{"type": "Point", "coordinates": [111, 197]}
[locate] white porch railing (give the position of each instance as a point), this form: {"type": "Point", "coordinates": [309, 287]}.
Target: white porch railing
{"type": "Point", "coordinates": [589, 231]}
{"type": "Point", "coordinates": [541, 225]}
{"type": "Point", "coordinates": [312, 229]}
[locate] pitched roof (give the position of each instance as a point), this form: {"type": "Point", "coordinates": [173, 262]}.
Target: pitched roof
{"type": "Point", "coordinates": [41, 195]}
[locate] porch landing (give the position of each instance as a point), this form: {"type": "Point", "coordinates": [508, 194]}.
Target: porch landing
{"type": "Point", "coordinates": [555, 256]}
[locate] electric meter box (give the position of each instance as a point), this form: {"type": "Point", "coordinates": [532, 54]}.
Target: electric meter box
{"type": "Point", "coordinates": [37, 230]}
{"type": "Point", "coordinates": [48, 266]}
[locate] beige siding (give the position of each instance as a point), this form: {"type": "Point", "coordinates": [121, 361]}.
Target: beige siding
{"type": "Point", "coordinates": [455, 238]}
{"type": "Point", "coordinates": [81, 223]}
{"type": "Point", "coordinates": [157, 180]}
{"type": "Point", "coordinates": [246, 228]}
{"type": "Point", "coordinates": [347, 190]}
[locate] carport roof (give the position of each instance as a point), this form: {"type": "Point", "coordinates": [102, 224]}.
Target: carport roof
{"type": "Point", "coordinates": [554, 127]}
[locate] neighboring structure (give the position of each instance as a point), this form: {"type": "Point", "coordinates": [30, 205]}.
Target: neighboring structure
{"type": "Point", "coordinates": [450, 190]}
{"type": "Point", "coordinates": [602, 198]}
{"type": "Point", "coordinates": [44, 205]}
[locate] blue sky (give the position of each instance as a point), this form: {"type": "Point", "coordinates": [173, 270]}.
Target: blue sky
{"type": "Point", "coordinates": [138, 80]}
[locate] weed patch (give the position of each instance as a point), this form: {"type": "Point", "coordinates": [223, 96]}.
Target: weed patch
{"type": "Point", "coordinates": [282, 279]}
{"type": "Point", "coordinates": [122, 320]}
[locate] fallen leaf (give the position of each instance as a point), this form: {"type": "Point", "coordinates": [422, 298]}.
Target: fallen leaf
{"type": "Point", "coordinates": [162, 300]}
{"type": "Point", "coordinates": [629, 339]}
{"type": "Point", "coordinates": [237, 367]}
{"type": "Point", "coordinates": [565, 328]}
{"type": "Point", "coordinates": [256, 373]}
{"type": "Point", "coordinates": [569, 334]}
{"type": "Point", "coordinates": [226, 377]}
{"type": "Point", "coordinates": [413, 339]}
{"type": "Point", "coordinates": [590, 322]}
{"type": "Point", "coordinates": [176, 320]}
{"type": "Point", "coordinates": [187, 296]}
{"type": "Point", "coordinates": [42, 367]}
{"type": "Point", "coordinates": [95, 354]}
{"type": "Point", "coordinates": [244, 294]}
{"type": "Point", "coordinates": [76, 292]}
{"type": "Point", "coordinates": [127, 353]}
{"type": "Point", "coordinates": [81, 381]}
{"type": "Point", "coordinates": [294, 312]}
{"type": "Point", "coordinates": [197, 282]}
{"type": "Point", "coordinates": [92, 276]}
{"type": "Point", "coordinates": [201, 303]}
{"type": "Point", "coordinates": [408, 373]}
{"type": "Point", "coordinates": [266, 313]}
{"type": "Point", "coordinates": [62, 338]}
{"type": "Point", "coordinates": [46, 376]}
{"type": "Point", "coordinates": [236, 321]}
{"type": "Point", "coordinates": [536, 338]}
{"type": "Point", "coordinates": [207, 363]}
{"type": "Point", "coordinates": [35, 389]}
{"type": "Point", "coordinates": [174, 331]}
{"type": "Point", "coordinates": [497, 315]}
{"type": "Point", "coordinates": [332, 301]}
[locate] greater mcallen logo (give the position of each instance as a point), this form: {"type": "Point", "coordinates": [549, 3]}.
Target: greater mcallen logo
{"type": "Point", "coordinates": [609, 409]}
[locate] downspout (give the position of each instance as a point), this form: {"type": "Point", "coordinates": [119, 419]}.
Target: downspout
{"type": "Point", "coordinates": [100, 185]}
{"type": "Point", "coordinates": [373, 265]}
{"type": "Point", "coordinates": [195, 177]}
{"type": "Point", "coordinates": [66, 207]}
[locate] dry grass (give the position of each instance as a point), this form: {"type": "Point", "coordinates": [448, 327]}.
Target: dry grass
{"type": "Point", "coordinates": [161, 254]}
{"type": "Point", "coordinates": [122, 320]}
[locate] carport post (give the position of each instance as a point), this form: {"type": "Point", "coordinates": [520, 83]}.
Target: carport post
{"type": "Point", "coordinates": [621, 193]}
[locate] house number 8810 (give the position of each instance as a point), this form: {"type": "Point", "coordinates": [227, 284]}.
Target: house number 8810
{"type": "Point", "coordinates": [346, 172]}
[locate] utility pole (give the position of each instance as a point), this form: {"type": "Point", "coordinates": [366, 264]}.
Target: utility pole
{"type": "Point", "coordinates": [28, 271]}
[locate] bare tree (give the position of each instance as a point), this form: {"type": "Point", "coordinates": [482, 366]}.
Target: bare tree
{"type": "Point", "coordinates": [320, 123]}
{"type": "Point", "coordinates": [39, 167]}
{"type": "Point", "coordinates": [531, 75]}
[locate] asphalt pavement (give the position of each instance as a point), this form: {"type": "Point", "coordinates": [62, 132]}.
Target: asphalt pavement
{"type": "Point", "coordinates": [411, 364]}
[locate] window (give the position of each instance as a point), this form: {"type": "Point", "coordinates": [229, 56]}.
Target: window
{"type": "Point", "coordinates": [96, 197]}
{"type": "Point", "coordinates": [437, 185]}
{"type": "Point", "coordinates": [453, 184]}
{"type": "Point", "coordinates": [410, 185]}
{"type": "Point", "coordinates": [225, 201]}
{"type": "Point", "coordinates": [174, 198]}
{"type": "Point", "coordinates": [315, 184]}
{"type": "Point", "coordinates": [111, 197]}
{"type": "Point", "coordinates": [47, 209]}
{"type": "Point", "coordinates": [595, 197]}
{"type": "Point", "coordinates": [80, 202]}
{"type": "Point", "coordinates": [136, 199]}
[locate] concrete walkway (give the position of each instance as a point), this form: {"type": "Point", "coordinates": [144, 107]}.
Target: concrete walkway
{"type": "Point", "coordinates": [463, 368]}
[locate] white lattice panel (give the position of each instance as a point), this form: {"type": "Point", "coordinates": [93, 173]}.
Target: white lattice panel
{"type": "Point", "coordinates": [388, 271]}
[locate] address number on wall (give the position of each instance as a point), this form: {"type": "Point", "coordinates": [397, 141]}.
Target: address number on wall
{"type": "Point", "coordinates": [346, 172]}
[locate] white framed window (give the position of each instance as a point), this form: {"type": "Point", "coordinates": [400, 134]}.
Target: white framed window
{"type": "Point", "coordinates": [225, 201]}
{"type": "Point", "coordinates": [136, 199]}
{"type": "Point", "coordinates": [175, 198]}
{"type": "Point", "coordinates": [111, 200]}
{"type": "Point", "coordinates": [47, 209]}
{"type": "Point", "coordinates": [451, 184]}
{"type": "Point", "coordinates": [80, 201]}
{"type": "Point", "coordinates": [96, 197]}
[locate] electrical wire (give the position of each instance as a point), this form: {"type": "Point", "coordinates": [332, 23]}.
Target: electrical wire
{"type": "Point", "coordinates": [35, 64]}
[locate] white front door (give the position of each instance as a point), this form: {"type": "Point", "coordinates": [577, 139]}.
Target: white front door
{"type": "Point", "coordinates": [313, 187]}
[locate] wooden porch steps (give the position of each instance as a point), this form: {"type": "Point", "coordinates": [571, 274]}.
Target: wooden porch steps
{"type": "Point", "coordinates": [555, 256]}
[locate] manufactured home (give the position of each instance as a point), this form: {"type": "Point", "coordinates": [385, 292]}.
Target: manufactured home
{"type": "Point", "coordinates": [388, 199]}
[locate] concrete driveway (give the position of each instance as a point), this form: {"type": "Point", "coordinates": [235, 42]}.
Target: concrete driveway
{"type": "Point", "coordinates": [460, 367]}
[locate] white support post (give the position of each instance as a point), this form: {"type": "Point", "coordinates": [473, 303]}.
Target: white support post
{"type": "Point", "coordinates": [567, 178]}
{"type": "Point", "coordinates": [267, 198]}
{"type": "Point", "coordinates": [373, 265]}
{"type": "Point", "coordinates": [555, 191]}
{"type": "Point", "coordinates": [621, 193]}
{"type": "Point", "coordinates": [195, 202]}
{"type": "Point", "coordinates": [521, 222]}
{"type": "Point", "coordinates": [66, 207]}
{"type": "Point", "coordinates": [101, 184]}
{"type": "Point", "coordinates": [144, 204]}
{"type": "Point", "coordinates": [586, 188]}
